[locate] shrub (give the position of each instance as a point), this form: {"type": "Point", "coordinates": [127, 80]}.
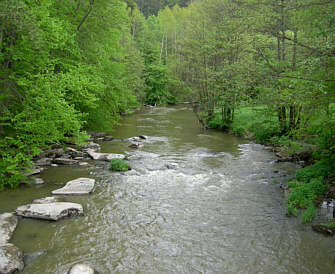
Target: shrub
{"type": "Point", "coordinates": [320, 169]}
{"type": "Point", "coordinates": [119, 165]}
{"type": "Point", "coordinates": [303, 196]}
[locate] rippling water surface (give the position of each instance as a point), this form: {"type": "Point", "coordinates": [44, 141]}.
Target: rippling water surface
{"type": "Point", "coordinates": [195, 202]}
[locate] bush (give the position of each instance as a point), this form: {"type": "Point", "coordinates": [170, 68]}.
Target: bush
{"type": "Point", "coordinates": [119, 165]}
{"type": "Point", "coordinates": [303, 196]}
{"type": "Point", "coordinates": [320, 169]}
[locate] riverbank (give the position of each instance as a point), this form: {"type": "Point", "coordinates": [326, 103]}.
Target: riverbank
{"type": "Point", "coordinates": [313, 184]}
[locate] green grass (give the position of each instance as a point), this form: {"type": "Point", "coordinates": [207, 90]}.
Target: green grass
{"type": "Point", "coordinates": [259, 121]}
{"type": "Point", "coordinates": [119, 165]}
{"type": "Point", "coordinates": [308, 186]}
{"type": "Point", "coordinates": [303, 196]}
{"type": "Point", "coordinates": [319, 169]}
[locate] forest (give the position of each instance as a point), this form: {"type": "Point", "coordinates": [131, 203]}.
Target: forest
{"type": "Point", "coordinates": [264, 69]}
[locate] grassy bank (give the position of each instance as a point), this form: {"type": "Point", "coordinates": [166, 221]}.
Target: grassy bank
{"type": "Point", "coordinates": [313, 143]}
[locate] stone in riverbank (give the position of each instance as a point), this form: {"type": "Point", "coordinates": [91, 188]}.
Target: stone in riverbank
{"type": "Point", "coordinates": [50, 211]}
{"type": "Point", "coordinates": [8, 223]}
{"type": "Point", "coordinates": [81, 269]}
{"type": "Point", "coordinates": [34, 172]}
{"type": "Point", "coordinates": [11, 259]}
{"type": "Point", "coordinates": [78, 186]}
{"type": "Point", "coordinates": [91, 146]}
{"type": "Point", "coordinates": [104, 156]}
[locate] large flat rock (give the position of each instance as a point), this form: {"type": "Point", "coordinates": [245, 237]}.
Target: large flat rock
{"type": "Point", "coordinates": [50, 211]}
{"type": "Point", "coordinates": [8, 223]}
{"type": "Point", "coordinates": [104, 156]}
{"type": "Point", "coordinates": [78, 186]}
{"type": "Point", "coordinates": [11, 259]}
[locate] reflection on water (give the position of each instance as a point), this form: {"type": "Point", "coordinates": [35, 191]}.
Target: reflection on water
{"type": "Point", "coordinates": [195, 202]}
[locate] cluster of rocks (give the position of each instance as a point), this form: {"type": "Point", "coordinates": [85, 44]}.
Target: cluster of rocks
{"type": "Point", "coordinates": [11, 258]}
{"type": "Point", "coordinates": [52, 208]}
{"type": "Point", "coordinates": [100, 136]}
{"type": "Point", "coordinates": [48, 208]}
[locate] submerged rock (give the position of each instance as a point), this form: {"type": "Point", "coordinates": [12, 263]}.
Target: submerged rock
{"type": "Point", "coordinates": [324, 229]}
{"type": "Point", "coordinates": [64, 161]}
{"type": "Point", "coordinates": [104, 156]}
{"type": "Point", "coordinates": [11, 259]}
{"type": "Point", "coordinates": [8, 223]}
{"type": "Point", "coordinates": [81, 269]}
{"type": "Point", "coordinates": [46, 200]}
{"type": "Point", "coordinates": [50, 211]}
{"type": "Point", "coordinates": [78, 186]}
{"type": "Point", "coordinates": [108, 138]}
{"type": "Point", "coordinates": [38, 181]}
{"type": "Point", "coordinates": [28, 258]}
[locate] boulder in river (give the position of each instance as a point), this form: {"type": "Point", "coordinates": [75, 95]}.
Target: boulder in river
{"type": "Point", "coordinates": [11, 259]}
{"type": "Point", "coordinates": [64, 161]}
{"type": "Point", "coordinates": [81, 269]}
{"type": "Point", "coordinates": [78, 186]}
{"type": "Point", "coordinates": [50, 211]}
{"type": "Point", "coordinates": [136, 145]}
{"type": "Point", "coordinates": [104, 156]}
{"type": "Point", "coordinates": [8, 223]}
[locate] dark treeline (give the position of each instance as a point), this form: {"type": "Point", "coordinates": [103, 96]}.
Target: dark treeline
{"type": "Point", "coordinates": [259, 68]}
{"type": "Point", "coordinates": [152, 7]}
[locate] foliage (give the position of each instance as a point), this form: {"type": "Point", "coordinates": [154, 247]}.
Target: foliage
{"type": "Point", "coordinates": [303, 196]}
{"type": "Point", "coordinates": [119, 165]}
{"type": "Point", "coordinates": [319, 169]}
{"type": "Point", "coordinates": [65, 66]}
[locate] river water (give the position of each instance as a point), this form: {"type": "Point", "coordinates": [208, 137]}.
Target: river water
{"type": "Point", "coordinates": [195, 202]}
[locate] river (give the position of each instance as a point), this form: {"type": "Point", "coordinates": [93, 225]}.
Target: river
{"type": "Point", "coordinates": [195, 202]}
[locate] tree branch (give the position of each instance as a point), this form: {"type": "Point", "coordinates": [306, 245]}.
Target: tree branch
{"type": "Point", "coordinates": [86, 15]}
{"type": "Point", "coordinates": [77, 8]}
